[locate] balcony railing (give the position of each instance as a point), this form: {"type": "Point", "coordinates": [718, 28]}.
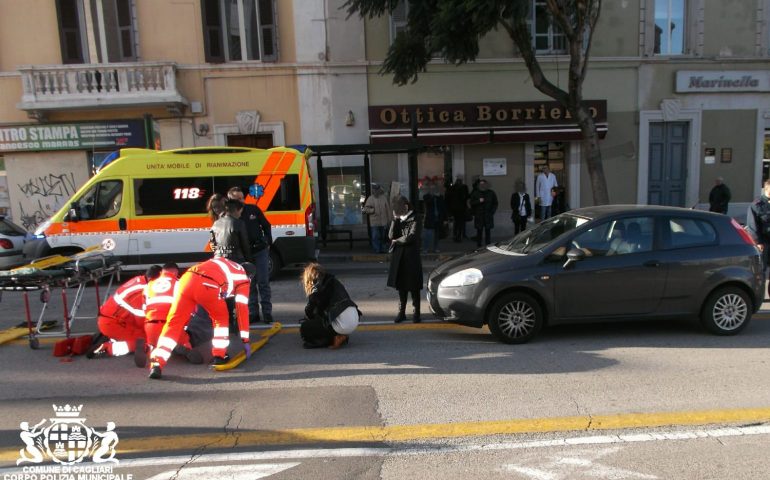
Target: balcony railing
{"type": "Point", "coordinates": [57, 87]}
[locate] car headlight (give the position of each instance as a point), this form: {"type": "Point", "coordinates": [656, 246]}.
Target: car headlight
{"type": "Point", "coordinates": [469, 276]}
{"type": "Point", "coordinates": [40, 231]}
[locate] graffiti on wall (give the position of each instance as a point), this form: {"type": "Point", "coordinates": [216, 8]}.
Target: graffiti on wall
{"type": "Point", "coordinates": [44, 195]}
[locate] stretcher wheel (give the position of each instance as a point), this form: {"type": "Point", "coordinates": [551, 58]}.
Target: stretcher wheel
{"type": "Point", "coordinates": [45, 295]}
{"type": "Point", "coordinates": [34, 343]}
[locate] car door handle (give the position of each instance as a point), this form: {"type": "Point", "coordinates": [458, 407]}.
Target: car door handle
{"type": "Point", "coordinates": [651, 263]}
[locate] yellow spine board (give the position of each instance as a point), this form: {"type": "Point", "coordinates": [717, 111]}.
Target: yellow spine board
{"type": "Point", "coordinates": [241, 356]}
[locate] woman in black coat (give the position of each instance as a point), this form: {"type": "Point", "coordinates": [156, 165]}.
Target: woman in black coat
{"type": "Point", "coordinates": [330, 315]}
{"type": "Point", "coordinates": [405, 273]}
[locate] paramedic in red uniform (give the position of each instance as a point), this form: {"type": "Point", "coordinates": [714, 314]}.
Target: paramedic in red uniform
{"type": "Point", "coordinates": [206, 285]}
{"type": "Point", "coordinates": [158, 295]}
{"type": "Point", "coordinates": [121, 317]}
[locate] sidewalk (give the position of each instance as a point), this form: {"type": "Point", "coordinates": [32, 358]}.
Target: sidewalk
{"type": "Point", "coordinates": [340, 252]}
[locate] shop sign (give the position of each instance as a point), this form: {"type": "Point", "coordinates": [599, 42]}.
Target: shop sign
{"type": "Point", "coordinates": [73, 136]}
{"type": "Point", "coordinates": [703, 81]}
{"type": "Point", "coordinates": [459, 115]}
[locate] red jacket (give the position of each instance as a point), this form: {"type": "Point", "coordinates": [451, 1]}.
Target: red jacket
{"type": "Point", "coordinates": [127, 301]}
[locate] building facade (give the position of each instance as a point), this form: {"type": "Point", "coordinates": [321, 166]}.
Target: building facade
{"type": "Point", "coordinates": [680, 91]}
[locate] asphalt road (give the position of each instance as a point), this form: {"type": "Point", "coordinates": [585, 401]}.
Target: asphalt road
{"type": "Point", "coordinates": [635, 400]}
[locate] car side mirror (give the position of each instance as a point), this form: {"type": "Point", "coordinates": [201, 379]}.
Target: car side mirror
{"type": "Point", "coordinates": [72, 215]}
{"type": "Point", "coordinates": [574, 255]}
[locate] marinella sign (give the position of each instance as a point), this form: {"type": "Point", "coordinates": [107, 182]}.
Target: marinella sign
{"type": "Point", "coordinates": [703, 81]}
{"type": "Point", "coordinates": [458, 115]}
{"type": "Point", "coordinates": [72, 136]}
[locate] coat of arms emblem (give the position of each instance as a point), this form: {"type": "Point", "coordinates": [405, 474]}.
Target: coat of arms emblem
{"type": "Point", "coordinates": [67, 439]}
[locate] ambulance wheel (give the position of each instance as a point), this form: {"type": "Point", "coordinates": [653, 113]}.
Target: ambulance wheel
{"type": "Point", "coordinates": [34, 343]}
{"type": "Point", "coordinates": [274, 264]}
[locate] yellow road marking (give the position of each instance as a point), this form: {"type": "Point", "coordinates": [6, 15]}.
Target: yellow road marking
{"type": "Point", "coordinates": [403, 433]}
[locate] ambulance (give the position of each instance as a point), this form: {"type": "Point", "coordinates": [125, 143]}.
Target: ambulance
{"type": "Point", "coordinates": [149, 207]}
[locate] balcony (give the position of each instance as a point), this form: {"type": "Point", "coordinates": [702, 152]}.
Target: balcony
{"type": "Point", "coordinates": [99, 86]}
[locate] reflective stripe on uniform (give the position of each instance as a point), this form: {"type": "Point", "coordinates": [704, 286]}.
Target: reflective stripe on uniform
{"type": "Point", "coordinates": [119, 299]}
{"type": "Point", "coordinates": [231, 277]}
{"type": "Point", "coordinates": [242, 299]}
{"type": "Point", "coordinates": [245, 334]}
{"type": "Point", "coordinates": [221, 337]}
{"type": "Point", "coordinates": [160, 299]}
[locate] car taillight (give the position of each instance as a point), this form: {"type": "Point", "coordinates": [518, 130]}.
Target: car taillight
{"type": "Point", "coordinates": [5, 243]}
{"type": "Point", "coordinates": [743, 233]}
{"type": "Point", "coordinates": [310, 220]}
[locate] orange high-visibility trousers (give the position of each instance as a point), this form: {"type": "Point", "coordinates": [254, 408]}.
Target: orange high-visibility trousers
{"type": "Point", "coordinates": [153, 329]}
{"type": "Point", "coordinates": [191, 291]}
{"type": "Point", "coordinates": [121, 330]}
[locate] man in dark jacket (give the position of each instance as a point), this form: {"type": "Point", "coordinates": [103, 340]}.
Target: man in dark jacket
{"type": "Point", "coordinates": [228, 234]}
{"type": "Point", "coordinates": [260, 238]}
{"type": "Point", "coordinates": [405, 272]}
{"type": "Point", "coordinates": [484, 205]}
{"type": "Point", "coordinates": [719, 197]}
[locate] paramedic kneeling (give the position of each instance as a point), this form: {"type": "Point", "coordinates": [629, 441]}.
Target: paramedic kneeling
{"type": "Point", "coordinates": [207, 285]}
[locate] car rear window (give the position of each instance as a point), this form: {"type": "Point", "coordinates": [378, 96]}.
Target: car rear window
{"type": "Point", "coordinates": [689, 232]}
{"type": "Point", "coordinates": [10, 230]}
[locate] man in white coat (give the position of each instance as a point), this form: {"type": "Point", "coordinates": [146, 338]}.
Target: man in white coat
{"type": "Point", "coordinates": [545, 182]}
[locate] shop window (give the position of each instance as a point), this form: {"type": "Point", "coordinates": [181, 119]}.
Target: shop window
{"type": "Point", "coordinates": [547, 37]}
{"type": "Point", "coordinates": [345, 195]}
{"type": "Point", "coordinates": [669, 27]}
{"type": "Point", "coordinates": [238, 30]}
{"type": "Point", "coordinates": [112, 27]}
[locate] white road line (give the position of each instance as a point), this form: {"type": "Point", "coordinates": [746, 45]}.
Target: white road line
{"type": "Point", "coordinates": [438, 450]}
{"type": "Point", "coordinates": [231, 472]}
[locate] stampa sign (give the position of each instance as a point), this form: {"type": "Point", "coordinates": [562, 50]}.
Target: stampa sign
{"type": "Point", "coordinates": [72, 136]}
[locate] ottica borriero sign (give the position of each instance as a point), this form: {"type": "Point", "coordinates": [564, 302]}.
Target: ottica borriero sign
{"type": "Point", "coordinates": [478, 114]}
{"type": "Point", "coordinates": [698, 81]}
{"type": "Point", "coordinates": [72, 136]}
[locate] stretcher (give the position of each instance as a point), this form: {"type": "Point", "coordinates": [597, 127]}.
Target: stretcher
{"type": "Point", "coordinates": [57, 271]}
{"type": "Point", "coordinates": [241, 356]}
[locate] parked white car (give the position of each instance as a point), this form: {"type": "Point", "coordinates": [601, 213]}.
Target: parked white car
{"type": "Point", "coordinates": [12, 240]}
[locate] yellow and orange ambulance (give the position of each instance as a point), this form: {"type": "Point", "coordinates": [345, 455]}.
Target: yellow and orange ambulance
{"type": "Point", "coordinates": [149, 207]}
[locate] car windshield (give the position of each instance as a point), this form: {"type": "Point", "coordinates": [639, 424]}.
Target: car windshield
{"type": "Point", "coordinates": [544, 233]}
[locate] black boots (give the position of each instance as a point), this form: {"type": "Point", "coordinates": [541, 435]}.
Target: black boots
{"type": "Point", "coordinates": [401, 307]}
{"type": "Point", "coordinates": [402, 296]}
{"type": "Point", "coordinates": [416, 312]}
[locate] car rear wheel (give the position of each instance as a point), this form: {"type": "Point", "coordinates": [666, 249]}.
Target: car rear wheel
{"type": "Point", "coordinates": [727, 311]}
{"type": "Point", "coordinates": [515, 318]}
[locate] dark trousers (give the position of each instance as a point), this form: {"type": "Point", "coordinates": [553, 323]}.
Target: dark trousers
{"type": "Point", "coordinates": [487, 235]}
{"type": "Point", "coordinates": [316, 333]}
{"type": "Point", "coordinates": [402, 295]}
{"type": "Point", "coordinates": [458, 227]}
{"type": "Point", "coordinates": [519, 224]}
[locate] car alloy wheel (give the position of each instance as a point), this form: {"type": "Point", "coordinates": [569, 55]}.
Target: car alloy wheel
{"type": "Point", "coordinates": [726, 311]}
{"type": "Point", "coordinates": [515, 318]}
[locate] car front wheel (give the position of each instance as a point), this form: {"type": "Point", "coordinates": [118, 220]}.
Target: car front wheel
{"type": "Point", "coordinates": [727, 311]}
{"type": "Point", "coordinates": [515, 318]}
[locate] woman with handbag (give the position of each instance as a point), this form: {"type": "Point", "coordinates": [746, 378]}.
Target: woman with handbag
{"type": "Point", "coordinates": [330, 315]}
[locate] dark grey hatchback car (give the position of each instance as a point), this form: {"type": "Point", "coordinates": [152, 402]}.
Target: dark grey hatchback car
{"type": "Point", "coordinates": [615, 262]}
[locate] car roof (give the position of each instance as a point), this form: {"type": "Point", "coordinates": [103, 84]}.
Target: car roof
{"type": "Point", "coordinates": [600, 211]}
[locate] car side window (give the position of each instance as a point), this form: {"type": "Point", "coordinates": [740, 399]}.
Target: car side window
{"type": "Point", "coordinates": [617, 237]}
{"type": "Point", "coordinates": [103, 200]}
{"type": "Point", "coordinates": [689, 232]}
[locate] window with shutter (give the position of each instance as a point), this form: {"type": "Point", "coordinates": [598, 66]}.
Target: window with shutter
{"type": "Point", "coordinates": [239, 30]}
{"type": "Point", "coordinates": [399, 19]}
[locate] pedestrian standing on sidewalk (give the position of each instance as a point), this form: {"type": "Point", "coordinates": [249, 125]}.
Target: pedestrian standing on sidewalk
{"type": "Point", "coordinates": [484, 205]}
{"type": "Point", "coordinates": [378, 210]}
{"type": "Point", "coordinates": [521, 208]}
{"type": "Point", "coordinates": [405, 272]}
{"type": "Point", "coordinates": [719, 197]}
{"type": "Point", "coordinates": [457, 204]}
{"type": "Point", "coordinates": [330, 315]}
{"type": "Point", "coordinates": [433, 221]}
{"type": "Point", "coordinates": [543, 185]}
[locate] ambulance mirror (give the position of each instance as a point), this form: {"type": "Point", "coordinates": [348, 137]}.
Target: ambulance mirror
{"type": "Point", "coordinates": [72, 215]}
